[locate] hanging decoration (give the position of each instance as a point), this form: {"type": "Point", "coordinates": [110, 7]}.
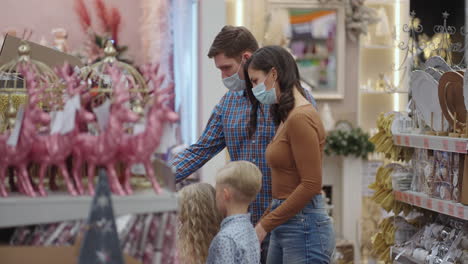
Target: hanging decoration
{"type": "Point", "coordinates": [110, 21]}
{"type": "Point", "coordinates": [358, 19]}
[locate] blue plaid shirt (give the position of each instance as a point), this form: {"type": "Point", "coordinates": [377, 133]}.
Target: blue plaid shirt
{"type": "Point", "coordinates": [228, 127]}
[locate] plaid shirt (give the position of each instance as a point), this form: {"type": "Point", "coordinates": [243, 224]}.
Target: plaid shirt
{"type": "Point", "coordinates": [228, 127]}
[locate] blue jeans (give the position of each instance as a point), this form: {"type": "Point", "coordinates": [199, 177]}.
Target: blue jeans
{"type": "Point", "coordinates": [306, 238]}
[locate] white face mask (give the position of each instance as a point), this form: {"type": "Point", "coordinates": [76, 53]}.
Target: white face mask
{"type": "Point", "coordinates": [263, 95]}
{"type": "Point", "coordinates": [233, 82]}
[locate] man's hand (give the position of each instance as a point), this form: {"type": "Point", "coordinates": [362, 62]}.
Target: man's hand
{"type": "Point", "coordinates": [261, 233]}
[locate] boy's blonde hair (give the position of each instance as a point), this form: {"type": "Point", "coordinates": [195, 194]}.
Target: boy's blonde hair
{"type": "Point", "coordinates": [199, 222]}
{"type": "Point", "coordinates": [242, 176]}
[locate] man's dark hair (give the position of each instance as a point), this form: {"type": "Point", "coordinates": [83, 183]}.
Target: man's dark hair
{"type": "Point", "coordinates": [233, 41]}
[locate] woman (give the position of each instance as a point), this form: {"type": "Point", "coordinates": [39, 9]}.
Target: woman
{"type": "Point", "coordinates": [301, 230]}
{"type": "Point", "coordinates": [199, 222]}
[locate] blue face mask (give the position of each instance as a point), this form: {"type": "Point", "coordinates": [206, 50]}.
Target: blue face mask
{"type": "Point", "coordinates": [233, 82]}
{"type": "Point", "coordinates": [263, 95]}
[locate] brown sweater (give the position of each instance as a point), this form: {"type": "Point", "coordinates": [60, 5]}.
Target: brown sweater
{"type": "Point", "coordinates": [295, 159]}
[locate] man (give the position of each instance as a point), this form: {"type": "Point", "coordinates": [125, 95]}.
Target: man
{"type": "Point", "coordinates": [229, 121]}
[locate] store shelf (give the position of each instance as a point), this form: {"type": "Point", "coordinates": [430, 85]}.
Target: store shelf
{"type": "Point", "coordinates": [19, 210]}
{"type": "Point", "coordinates": [421, 200]}
{"type": "Point", "coordinates": [402, 259]}
{"type": "Point", "coordinates": [367, 91]}
{"type": "Point", "coordinates": [458, 145]}
{"type": "Point", "coordinates": [380, 2]}
{"type": "Point", "coordinates": [378, 47]}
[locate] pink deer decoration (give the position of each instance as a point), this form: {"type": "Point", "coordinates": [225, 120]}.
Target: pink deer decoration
{"type": "Point", "coordinates": [103, 148]}
{"type": "Point", "coordinates": [139, 148]}
{"type": "Point", "coordinates": [54, 149]}
{"type": "Point", "coordinates": [17, 156]}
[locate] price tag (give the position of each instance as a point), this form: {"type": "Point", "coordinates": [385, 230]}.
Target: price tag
{"type": "Point", "coordinates": [461, 211]}
{"type": "Point", "coordinates": [411, 199]}
{"type": "Point", "coordinates": [417, 201]}
{"type": "Point", "coordinates": [460, 147]}
{"type": "Point", "coordinates": [14, 136]}
{"type": "Point", "coordinates": [451, 209]}
{"type": "Point", "coordinates": [405, 197]}
{"type": "Point", "coordinates": [426, 143]}
{"type": "Point", "coordinates": [102, 113]}
{"type": "Point", "coordinates": [398, 140]}
{"type": "Point", "coordinates": [429, 204]}
{"type": "Point", "coordinates": [407, 141]}
{"type": "Point", "coordinates": [445, 145]}
{"type": "Point", "coordinates": [440, 207]}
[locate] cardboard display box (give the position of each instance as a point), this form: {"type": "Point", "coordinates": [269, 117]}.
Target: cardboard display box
{"type": "Point", "coordinates": [46, 255]}
{"type": "Point", "coordinates": [51, 57]}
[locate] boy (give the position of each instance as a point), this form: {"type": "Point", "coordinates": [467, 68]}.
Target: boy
{"type": "Point", "coordinates": [237, 185]}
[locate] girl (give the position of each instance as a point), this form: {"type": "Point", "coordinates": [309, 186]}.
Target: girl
{"type": "Point", "coordinates": [199, 222]}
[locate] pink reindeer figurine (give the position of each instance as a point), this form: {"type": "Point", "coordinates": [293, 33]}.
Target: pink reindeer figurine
{"type": "Point", "coordinates": [102, 150]}
{"type": "Point", "coordinates": [139, 148]}
{"type": "Point", "coordinates": [18, 156]}
{"type": "Point", "coordinates": [55, 148]}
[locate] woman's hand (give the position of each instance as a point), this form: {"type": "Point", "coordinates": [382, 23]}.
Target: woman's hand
{"type": "Point", "coordinates": [261, 233]}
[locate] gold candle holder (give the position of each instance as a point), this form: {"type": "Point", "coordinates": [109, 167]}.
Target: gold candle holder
{"type": "Point", "coordinates": [431, 132]}
{"type": "Point", "coordinates": [442, 133]}
{"type": "Point", "coordinates": [454, 133]}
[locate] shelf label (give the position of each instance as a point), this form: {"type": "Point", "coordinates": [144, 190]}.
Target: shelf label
{"type": "Point", "coordinates": [461, 211]}
{"type": "Point", "coordinates": [429, 204]}
{"type": "Point", "coordinates": [445, 144]}
{"type": "Point", "coordinates": [426, 143]}
{"type": "Point", "coordinates": [405, 197]}
{"type": "Point", "coordinates": [460, 147]}
{"type": "Point", "coordinates": [440, 207]}
{"type": "Point", "coordinates": [451, 209]}
{"type": "Point", "coordinates": [411, 199]}
{"type": "Point", "coordinates": [417, 201]}
{"type": "Point", "coordinates": [397, 196]}
{"type": "Point", "coordinates": [407, 141]}
{"type": "Point", "coordinates": [398, 140]}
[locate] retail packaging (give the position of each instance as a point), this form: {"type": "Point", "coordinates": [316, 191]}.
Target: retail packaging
{"type": "Point", "coordinates": [438, 242]}
{"type": "Point", "coordinates": [464, 183]}
{"type": "Point", "coordinates": [441, 186]}
{"type": "Point", "coordinates": [457, 171]}
{"type": "Point", "coordinates": [51, 57]}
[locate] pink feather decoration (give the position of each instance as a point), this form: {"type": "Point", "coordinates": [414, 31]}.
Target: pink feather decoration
{"type": "Point", "coordinates": [103, 14]}
{"type": "Point", "coordinates": [115, 20]}
{"type": "Point", "coordinates": [82, 12]}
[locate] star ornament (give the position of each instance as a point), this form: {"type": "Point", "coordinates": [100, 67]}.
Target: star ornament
{"type": "Point", "coordinates": [102, 223]}
{"type": "Point", "coordinates": [445, 14]}
{"type": "Point", "coordinates": [107, 228]}
{"type": "Point", "coordinates": [102, 256]}
{"type": "Point", "coordinates": [103, 201]}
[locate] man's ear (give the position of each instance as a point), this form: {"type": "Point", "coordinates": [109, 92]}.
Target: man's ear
{"type": "Point", "coordinates": [246, 55]}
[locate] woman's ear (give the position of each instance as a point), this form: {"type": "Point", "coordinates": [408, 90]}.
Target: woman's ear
{"type": "Point", "coordinates": [274, 74]}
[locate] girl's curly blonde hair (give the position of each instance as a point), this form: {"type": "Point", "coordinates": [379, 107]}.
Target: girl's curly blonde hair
{"type": "Point", "coordinates": [199, 222]}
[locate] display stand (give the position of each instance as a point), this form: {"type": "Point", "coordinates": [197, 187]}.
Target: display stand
{"type": "Point", "coordinates": [351, 202]}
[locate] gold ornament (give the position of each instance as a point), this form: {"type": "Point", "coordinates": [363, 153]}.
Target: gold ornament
{"type": "Point", "coordinates": [13, 91]}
